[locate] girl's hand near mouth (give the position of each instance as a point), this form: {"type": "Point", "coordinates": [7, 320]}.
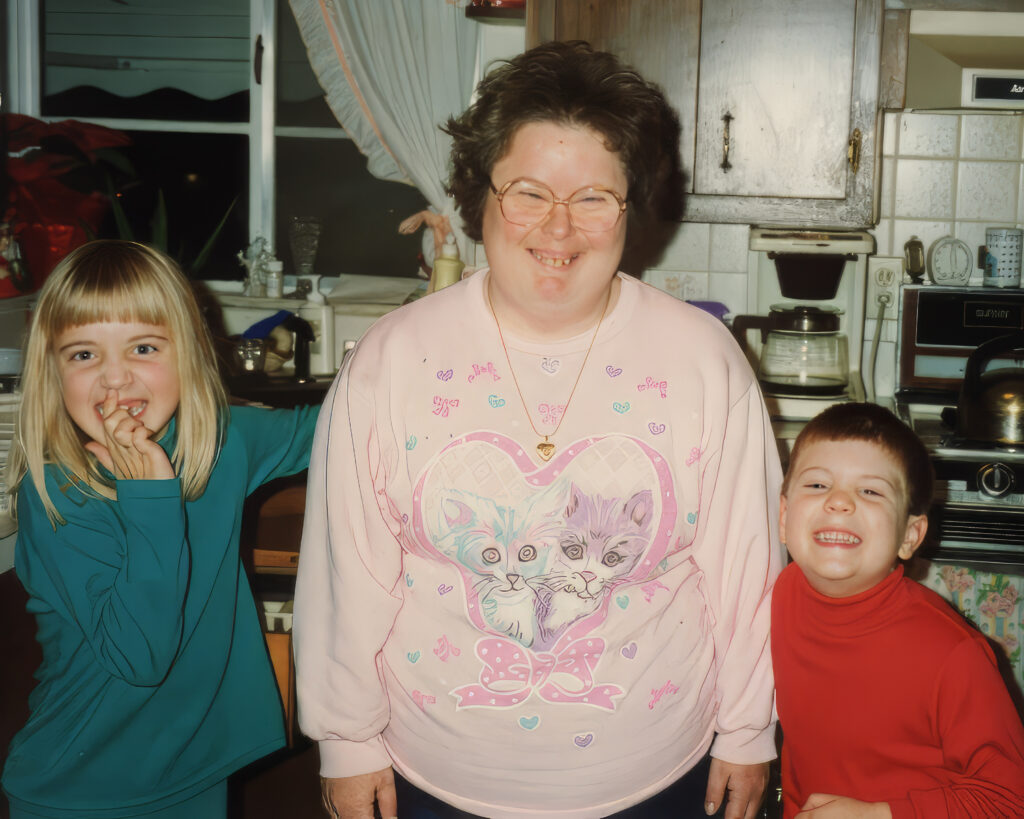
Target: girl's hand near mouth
{"type": "Point", "coordinates": [129, 453]}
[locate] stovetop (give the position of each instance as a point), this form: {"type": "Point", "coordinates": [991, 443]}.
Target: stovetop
{"type": "Point", "coordinates": [933, 424]}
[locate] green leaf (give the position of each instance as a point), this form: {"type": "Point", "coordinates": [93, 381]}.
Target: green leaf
{"type": "Point", "coordinates": [204, 254]}
{"type": "Point", "coordinates": [158, 224]}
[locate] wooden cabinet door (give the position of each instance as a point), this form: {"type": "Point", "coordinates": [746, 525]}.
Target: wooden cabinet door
{"type": "Point", "coordinates": [659, 38]}
{"type": "Point", "coordinates": [774, 98]}
{"type": "Point", "coordinates": [796, 81]}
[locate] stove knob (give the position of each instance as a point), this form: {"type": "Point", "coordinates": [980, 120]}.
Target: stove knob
{"type": "Point", "coordinates": [995, 480]}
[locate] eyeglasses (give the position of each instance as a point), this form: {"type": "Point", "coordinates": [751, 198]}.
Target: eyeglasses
{"type": "Point", "coordinates": [526, 203]}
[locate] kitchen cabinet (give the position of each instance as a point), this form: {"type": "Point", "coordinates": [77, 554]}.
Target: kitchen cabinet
{"type": "Point", "coordinates": [778, 99]}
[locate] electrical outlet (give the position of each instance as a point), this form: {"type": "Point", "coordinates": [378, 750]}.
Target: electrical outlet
{"type": "Point", "coordinates": [884, 276]}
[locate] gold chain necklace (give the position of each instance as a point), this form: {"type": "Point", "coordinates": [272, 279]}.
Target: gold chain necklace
{"type": "Point", "coordinates": [545, 449]}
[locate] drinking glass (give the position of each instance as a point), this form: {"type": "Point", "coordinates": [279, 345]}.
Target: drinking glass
{"type": "Point", "coordinates": [304, 237]}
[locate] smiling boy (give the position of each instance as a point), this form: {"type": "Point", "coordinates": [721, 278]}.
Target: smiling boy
{"type": "Point", "coordinates": [891, 705]}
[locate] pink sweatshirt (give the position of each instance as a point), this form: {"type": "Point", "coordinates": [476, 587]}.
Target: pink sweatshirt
{"type": "Point", "coordinates": [521, 637]}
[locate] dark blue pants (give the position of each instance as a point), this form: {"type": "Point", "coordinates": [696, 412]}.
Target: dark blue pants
{"type": "Point", "coordinates": [683, 799]}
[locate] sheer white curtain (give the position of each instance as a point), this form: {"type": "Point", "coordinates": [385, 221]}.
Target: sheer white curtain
{"type": "Point", "coordinates": [393, 71]}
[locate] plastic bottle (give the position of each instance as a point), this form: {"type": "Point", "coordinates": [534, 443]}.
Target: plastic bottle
{"type": "Point", "coordinates": [447, 267]}
{"type": "Point", "coordinates": [275, 279]}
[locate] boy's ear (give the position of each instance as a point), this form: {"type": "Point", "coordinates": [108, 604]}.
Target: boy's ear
{"type": "Point", "coordinates": [917, 527]}
{"type": "Point", "coordinates": [782, 519]}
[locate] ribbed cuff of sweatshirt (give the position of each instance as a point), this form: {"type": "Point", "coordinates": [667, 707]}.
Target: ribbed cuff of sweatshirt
{"type": "Point", "coordinates": [342, 757]}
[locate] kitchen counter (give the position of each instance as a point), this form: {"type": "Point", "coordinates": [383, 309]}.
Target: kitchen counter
{"type": "Point", "coordinates": [279, 391]}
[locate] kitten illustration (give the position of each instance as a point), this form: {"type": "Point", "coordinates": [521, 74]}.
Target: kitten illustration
{"type": "Point", "coordinates": [507, 550]}
{"type": "Point", "coordinates": [602, 541]}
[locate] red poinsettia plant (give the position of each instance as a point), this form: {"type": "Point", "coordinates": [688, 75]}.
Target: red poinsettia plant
{"type": "Point", "coordinates": [53, 191]}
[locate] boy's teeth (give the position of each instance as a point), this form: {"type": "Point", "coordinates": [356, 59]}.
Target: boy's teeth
{"type": "Point", "coordinates": [133, 411]}
{"type": "Point", "coordinates": [837, 537]}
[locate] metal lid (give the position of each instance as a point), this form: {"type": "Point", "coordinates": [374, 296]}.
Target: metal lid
{"type": "Point", "coordinates": [803, 318]}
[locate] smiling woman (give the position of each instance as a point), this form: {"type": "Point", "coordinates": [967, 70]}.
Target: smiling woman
{"type": "Point", "coordinates": [498, 437]}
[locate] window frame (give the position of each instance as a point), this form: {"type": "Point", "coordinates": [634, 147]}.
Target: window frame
{"type": "Point", "coordinates": [24, 95]}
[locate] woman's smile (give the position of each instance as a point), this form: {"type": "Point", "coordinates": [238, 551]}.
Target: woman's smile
{"type": "Point", "coordinates": [550, 279]}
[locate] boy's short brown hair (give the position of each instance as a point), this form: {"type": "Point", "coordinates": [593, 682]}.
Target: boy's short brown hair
{"type": "Point", "coordinates": [870, 422]}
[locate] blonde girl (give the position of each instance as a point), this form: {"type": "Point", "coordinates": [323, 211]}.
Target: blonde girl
{"type": "Point", "coordinates": [129, 472]}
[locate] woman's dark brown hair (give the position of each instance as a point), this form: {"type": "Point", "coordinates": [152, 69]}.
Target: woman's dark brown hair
{"type": "Point", "coordinates": [569, 83]}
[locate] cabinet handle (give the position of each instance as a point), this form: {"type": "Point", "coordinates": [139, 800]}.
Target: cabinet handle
{"type": "Point", "coordinates": [853, 150]}
{"type": "Point", "coordinates": [257, 61]}
{"type": "Point", "coordinates": [725, 166]}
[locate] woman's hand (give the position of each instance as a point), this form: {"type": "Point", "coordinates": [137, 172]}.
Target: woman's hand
{"type": "Point", "coordinates": [829, 806]}
{"type": "Point", "coordinates": [745, 783]}
{"type": "Point", "coordinates": [353, 797]}
{"type": "Point", "coordinates": [128, 452]}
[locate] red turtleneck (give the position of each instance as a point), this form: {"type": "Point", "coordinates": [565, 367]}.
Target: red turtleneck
{"type": "Point", "coordinates": [891, 696]}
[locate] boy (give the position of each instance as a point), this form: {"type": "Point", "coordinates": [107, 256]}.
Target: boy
{"type": "Point", "coordinates": [890, 703]}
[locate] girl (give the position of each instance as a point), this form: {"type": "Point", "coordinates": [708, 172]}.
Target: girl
{"type": "Point", "coordinates": [129, 473]}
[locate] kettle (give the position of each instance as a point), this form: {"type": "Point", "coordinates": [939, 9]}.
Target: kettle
{"type": "Point", "coordinates": [802, 354]}
{"type": "Point", "coordinates": [991, 404]}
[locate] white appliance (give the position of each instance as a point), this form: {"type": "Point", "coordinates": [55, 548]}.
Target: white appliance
{"type": "Point", "coordinates": [826, 268]}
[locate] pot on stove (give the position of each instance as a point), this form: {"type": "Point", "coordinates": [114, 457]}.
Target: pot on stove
{"type": "Point", "coordinates": [991, 404]}
{"type": "Point", "coordinates": [803, 353]}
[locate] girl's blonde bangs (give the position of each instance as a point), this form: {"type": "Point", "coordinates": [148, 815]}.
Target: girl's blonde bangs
{"type": "Point", "coordinates": [105, 289]}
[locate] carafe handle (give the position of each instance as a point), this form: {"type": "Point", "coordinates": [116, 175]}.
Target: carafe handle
{"type": "Point", "coordinates": [741, 324]}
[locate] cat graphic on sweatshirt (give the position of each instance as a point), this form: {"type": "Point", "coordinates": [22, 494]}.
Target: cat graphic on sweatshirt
{"type": "Point", "coordinates": [506, 549]}
{"type": "Point", "coordinates": [602, 540]}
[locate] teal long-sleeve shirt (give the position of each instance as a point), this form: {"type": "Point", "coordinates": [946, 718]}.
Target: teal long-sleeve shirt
{"type": "Point", "coordinates": [155, 682]}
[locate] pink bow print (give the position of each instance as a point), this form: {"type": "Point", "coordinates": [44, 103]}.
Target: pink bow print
{"type": "Point", "coordinates": [511, 673]}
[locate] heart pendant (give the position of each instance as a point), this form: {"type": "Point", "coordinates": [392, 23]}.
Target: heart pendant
{"type": "Point", "coordinates": [545, 450]}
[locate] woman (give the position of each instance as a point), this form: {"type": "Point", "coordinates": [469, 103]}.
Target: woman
{"type": "Point", "coordinates": [538, 544]}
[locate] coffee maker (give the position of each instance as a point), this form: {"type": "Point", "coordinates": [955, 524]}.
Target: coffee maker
{"type": "Point", "coordinates": [806, 298]}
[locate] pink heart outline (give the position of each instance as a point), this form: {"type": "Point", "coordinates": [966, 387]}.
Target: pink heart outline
{"type": "Point", "coordinates": [538, 478]}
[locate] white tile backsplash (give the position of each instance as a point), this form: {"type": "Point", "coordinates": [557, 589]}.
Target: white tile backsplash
{"type": "Point", "coordinates": [689, 248]}
{"type": "Point", "coordinates": [887, 192]}
{"type": "Point", "coordinates": [680, 285]}
{"type": "Point", "coordinates": [729, 248]}
{"type": "Point", "coordinates": [890, 125]}
{"type": "Point", "coordinates": [730, 289]}
{"type": "Point", "coordinates": [924, 188]}
{"type": "Point", "coordinates": [988, 190]}
{"type": "Point", "coordinates": [991, 137]}
{"type": "Point", "coordinates": [928, 135]}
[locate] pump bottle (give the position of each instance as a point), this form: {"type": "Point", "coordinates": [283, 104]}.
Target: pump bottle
{"type": "Point", "coordinates": [447, 267]}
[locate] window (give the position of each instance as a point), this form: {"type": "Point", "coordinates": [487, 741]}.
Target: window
{"type": "Point", "coordinates": [222, 107]}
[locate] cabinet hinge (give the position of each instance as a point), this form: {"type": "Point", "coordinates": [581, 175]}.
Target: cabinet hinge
{"type": "Point", "coordinates": [853, 150]}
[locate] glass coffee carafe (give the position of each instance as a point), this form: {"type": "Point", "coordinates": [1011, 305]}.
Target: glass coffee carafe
{"type": "Point", "coordinates": [802, 353]}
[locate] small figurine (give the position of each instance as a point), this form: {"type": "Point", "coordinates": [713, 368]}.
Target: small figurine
{"type": "Point", "coordinates": [255, 260]}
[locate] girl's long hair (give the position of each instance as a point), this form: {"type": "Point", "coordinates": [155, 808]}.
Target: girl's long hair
{"type": "Point", "coordinates": [111, 280]}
